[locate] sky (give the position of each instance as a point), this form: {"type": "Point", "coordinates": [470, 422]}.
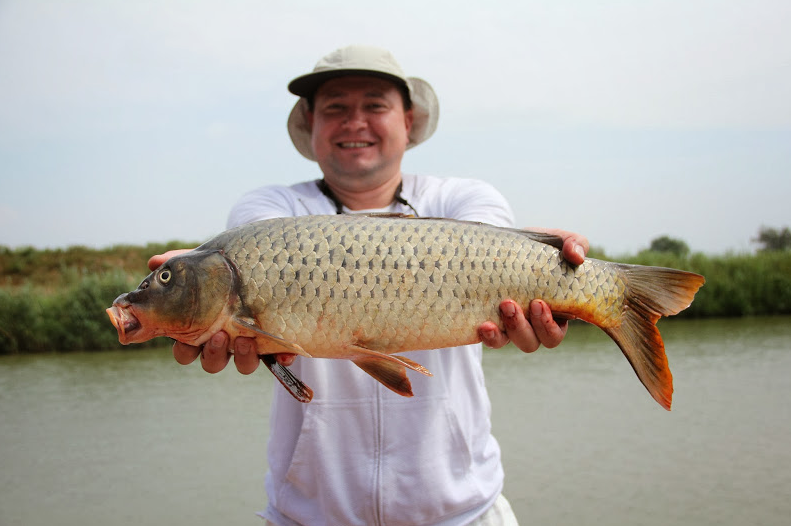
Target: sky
{"type": "Point", "coordinates": [624, 120]}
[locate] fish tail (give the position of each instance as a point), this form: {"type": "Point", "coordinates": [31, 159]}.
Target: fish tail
{"type": "Point", "coordinates": [652, 292]}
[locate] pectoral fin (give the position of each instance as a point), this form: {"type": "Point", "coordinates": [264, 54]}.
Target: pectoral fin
{"type": "Point", "coordinates": [293, 385]}
{"type": "Point", "coordinates": [388, 369]}
{"type": "Point", "coordinates": [246, 327]}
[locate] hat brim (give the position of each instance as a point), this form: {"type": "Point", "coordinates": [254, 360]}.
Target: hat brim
{"type": "Point", "coordinates": [306, 85]}
{"type": "Point", "coordinates": [425, 107]}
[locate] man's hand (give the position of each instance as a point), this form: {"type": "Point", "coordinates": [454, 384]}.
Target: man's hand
{"type": "Point", "coordinates": [214, 354]}
{"type": "Point", "coordinates": [528, 334]}
{"type": "Point", "coordinates": [575, 246]}
{"type": "Point", "coordinates": [156, 261]}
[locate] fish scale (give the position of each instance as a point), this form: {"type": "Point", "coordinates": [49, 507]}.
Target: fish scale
{"type": "Point", "coordinates": [364, 287]}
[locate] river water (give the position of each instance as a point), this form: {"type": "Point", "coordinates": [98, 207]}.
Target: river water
{"type": "Point", "coordinates": [130, 437]}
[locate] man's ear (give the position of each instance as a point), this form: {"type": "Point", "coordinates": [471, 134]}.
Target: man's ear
{"type": "Point", "coordinates": [309, 119]}
{"type": "Point", "coordinates": [409, 118]}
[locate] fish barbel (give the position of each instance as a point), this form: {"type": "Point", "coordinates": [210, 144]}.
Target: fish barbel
{"type": "Point", "coordinates": [363, 287]}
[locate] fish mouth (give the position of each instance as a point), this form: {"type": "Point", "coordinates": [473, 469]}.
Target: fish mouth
{"type": "Point", "coordinates": [124, 322]}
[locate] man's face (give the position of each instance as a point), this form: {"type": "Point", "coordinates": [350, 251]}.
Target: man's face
{"type": "Point", "coordinates": [359, 131]}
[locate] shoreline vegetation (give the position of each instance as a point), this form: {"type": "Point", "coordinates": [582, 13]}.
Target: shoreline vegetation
{"type": "Point", "coordinates": [55, 299]}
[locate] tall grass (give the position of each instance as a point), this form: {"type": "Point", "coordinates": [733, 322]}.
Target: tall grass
{"type": "Point", "coordinates": [71, 318]}
{"type": "Point", "coordinates": [55, 300]}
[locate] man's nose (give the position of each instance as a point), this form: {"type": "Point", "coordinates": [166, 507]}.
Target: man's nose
{"type": "Point", "coordinates": [355, 118]}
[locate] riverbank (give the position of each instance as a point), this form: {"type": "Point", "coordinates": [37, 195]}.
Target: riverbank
{"type": "Point", "coordinates": [55, 300]}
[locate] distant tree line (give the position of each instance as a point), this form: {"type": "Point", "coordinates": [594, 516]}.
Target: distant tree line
{"type": "Point", "coordinates": [773, 239]}
{"type": "Point", "coordinates": [668, 244]}
{"type": "Point", "coordinates": [769, 240]}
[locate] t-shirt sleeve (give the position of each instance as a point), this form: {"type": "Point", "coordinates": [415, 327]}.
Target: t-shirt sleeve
{"type": "Point", "coordinates": [262, 203]}
{"type": "Point", "coordinates": [474, 200]}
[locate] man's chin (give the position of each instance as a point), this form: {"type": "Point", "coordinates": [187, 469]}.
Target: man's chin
{"type": "Point", "coordinates": [357, 167]}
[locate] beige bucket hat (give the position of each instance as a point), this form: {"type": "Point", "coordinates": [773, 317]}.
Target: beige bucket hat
{"type": "Point", "coordinates": [361, 60]}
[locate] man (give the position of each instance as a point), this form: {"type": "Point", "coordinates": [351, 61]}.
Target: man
{"type": "Point", "coordinates": [358, 453]}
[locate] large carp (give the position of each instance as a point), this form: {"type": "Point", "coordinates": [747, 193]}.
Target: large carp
{"type": "Point", "coordinates": [363, 287]}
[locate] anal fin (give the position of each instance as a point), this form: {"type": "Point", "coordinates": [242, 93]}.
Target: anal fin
{"type": "Point", "coordinates": [409, 364]}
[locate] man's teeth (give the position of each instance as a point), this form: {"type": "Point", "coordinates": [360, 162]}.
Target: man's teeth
{"type": "Point", "coordinates": [355, 144]}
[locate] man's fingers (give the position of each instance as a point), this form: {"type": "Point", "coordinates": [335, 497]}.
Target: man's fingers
{"type": "Point", "coordinates": [575, 247]}
{"type": "Point", "coordinates": [285, 358]}
{"type": "Point", "coordinates": [155, 261]}
{"type": "Point", "coordinates": [185, 354]}
{"type": "Point", "coordinates": [245, 356]}
{"type": "Point", "coordinates": [215, 353]}
{"type": "Point", "coordinates": [547, 331]}
{"type": "Point", "coordinates": [574, 253]}
{"type": "Point", "coordinates": [491, 335]}
{"type": "Point", "coordinates": [518, 328]}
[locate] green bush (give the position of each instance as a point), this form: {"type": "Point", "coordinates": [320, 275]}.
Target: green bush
{"type": "Point", "coordinates": [71, 318]}
{"type": "Point", "coordinates": [20, 319]}
{"type": "Point", "coordinates": [736, 285]}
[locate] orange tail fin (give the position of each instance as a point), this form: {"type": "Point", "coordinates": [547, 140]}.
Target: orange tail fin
{"type": "Point", "coordinates": [652, 292]}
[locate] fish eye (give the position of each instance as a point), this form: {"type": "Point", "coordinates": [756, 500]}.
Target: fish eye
{"type": "Point", "coordinates": [164, 276]}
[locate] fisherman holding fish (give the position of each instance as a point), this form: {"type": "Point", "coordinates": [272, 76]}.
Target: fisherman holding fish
{"type": "Point", "coordinates": [359, 453]}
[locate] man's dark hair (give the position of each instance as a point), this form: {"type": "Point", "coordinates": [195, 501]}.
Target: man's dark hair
{"type": "Point", "coordinates": [405, 98]}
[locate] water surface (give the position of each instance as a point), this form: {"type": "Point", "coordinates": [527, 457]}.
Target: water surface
{"type": "Point", "coordinates": [130, 437]}
{"type": "Point", "coordinates": [585, 444]}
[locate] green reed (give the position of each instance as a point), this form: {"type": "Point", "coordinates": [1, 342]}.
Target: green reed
{"type": "Point", "coordinates": [736, 284]}
{"type": "Point", "coordinates": [55, 300]}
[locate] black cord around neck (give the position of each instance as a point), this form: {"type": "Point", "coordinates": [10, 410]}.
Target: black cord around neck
{"type": "Point", "coordinates": [327, 191]}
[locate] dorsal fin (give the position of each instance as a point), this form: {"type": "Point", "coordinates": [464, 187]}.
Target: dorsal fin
{"type": "Point", "coordinates": [542, 237]}
{"type": "Point", "coordinates": [391, 215]}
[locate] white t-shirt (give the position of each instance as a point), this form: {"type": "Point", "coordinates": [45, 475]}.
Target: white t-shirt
{"type": "Point", "coordinates": [359, 454]}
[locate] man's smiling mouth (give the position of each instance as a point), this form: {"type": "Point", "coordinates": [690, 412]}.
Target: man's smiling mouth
{"type": "Point", "coordinates": [355, 144]}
